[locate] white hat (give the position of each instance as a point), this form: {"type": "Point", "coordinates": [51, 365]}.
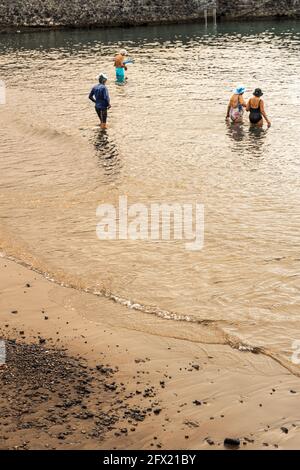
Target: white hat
{"type": "Point", "coordinates": [123, 52]}
{"type": "Point", "coordinates": [103, 77]}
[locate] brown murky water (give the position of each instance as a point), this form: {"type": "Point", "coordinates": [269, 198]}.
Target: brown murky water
{"type": "Point", "coordinates": [168, 142]}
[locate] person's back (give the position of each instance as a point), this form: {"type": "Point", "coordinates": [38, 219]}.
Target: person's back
{"type": "Point", "coordinates": [237, 101]}
{"type": "Point", "coordinates": [119, 61]}
{"type": "Point", "coordinates": [235, 109]}
{"type": "Point", "coordinates": [256, 108]}
{"type": "Point", "coordinates": [120, 67]}
{"type": "Point", "coordinates": [100, 92]}
{"type": "Point", "coordinates": [100, 96]}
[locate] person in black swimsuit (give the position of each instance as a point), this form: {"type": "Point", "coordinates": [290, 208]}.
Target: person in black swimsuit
{"type": "Point", "coordinates": [256, 108]}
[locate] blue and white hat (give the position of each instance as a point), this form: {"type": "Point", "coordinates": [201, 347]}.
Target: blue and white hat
{"type": "Point", "coordinates": [240, 90]}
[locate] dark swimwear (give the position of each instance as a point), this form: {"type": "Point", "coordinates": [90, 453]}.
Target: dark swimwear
{"type": "Point", "coordinates": [255, 115]}
{"type": "Point", "coordinates": [102, 113]}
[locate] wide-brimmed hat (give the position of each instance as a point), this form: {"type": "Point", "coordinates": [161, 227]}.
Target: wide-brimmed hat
{"type": "Point", "coordinates": [240, 90]}
{"type": "Point", "coordinates": [258, 92]}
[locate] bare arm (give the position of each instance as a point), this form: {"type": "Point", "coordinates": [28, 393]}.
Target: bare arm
{"type": "Point", "coordinates": [263, 112]}
{"type": "Point", "coordinates": [228, 110]}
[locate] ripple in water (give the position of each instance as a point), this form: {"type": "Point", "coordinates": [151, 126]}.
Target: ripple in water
{"type": "Point", "coordinates": [167, 142]}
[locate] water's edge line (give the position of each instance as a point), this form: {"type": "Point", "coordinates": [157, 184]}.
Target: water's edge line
{"type": "Point", "coordinates": [230, 341]}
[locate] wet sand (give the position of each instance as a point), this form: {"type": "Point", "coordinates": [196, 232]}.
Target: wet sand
{"type": "Point", "coordinates": [56, 168]}
{"type": "Point", "coordinates": [73, 383]}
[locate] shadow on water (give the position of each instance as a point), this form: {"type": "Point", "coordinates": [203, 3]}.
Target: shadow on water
{"type": "Point", "coordinates": [248, 141]}
{"type": "Point", "coordinates": [256, 142]}
{"type": "Point", "coordinates": [236, 132]}
{"type": "Point", "coordinates": [108, 157]}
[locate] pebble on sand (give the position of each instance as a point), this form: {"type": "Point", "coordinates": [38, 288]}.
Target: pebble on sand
{"type": "Point", "coordinates": [230, 442]}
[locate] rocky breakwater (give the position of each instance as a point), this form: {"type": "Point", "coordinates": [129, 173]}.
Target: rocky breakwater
{"type": "Point", "coordinates": [250, 9]}
{"type": "Point", "coordinates": [23, 14]}
{"type": "Point", "coordinates": [97, 13]}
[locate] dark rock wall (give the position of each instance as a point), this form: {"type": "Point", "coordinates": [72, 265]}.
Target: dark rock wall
{"type": "Point", "coordinates": [76, 13]}
{"type": "Point", "coordinates": [79, 13]}
{"type": "Point", "coordinates": [259, 8]}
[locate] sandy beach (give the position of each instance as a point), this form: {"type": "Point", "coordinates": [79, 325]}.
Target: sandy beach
{"type": "Point", "coordinates": [75, 382]}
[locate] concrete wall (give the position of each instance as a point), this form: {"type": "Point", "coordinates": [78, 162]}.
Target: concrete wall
{"type": "Point", "coordinates": [17, 14]}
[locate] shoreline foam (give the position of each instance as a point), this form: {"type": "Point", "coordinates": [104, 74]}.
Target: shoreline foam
{"type": "Point", "coordinates": [229, 384]}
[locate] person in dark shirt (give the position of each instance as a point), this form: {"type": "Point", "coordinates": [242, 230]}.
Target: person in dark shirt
{"type": "Point", "coordinates": [100, 96]}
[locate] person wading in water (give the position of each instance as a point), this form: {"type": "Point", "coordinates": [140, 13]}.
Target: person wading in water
{"type": "Point", "coordinates": [235, 109]}
{"type": "Point", "coordinates": [120, 67]}
{"type": "Point", "coordinates": [100, 96]}
{"type": "Point", "coordinates": [256, 108]}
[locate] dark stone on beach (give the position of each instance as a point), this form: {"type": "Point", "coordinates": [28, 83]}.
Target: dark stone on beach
{"type": "Point", "coordinates": [284, 430]}
{"type": "Point", "coordinates": [14, 312]}
{"type": "Point", "coordinates": [210, 441]}
{"type": "Point", "coordinates": [111, 387]}
{"type": "Point", "coordinates": [250, 441]}
{"type": "Point", "coordinates": [229, 442]}
{"type": "Point", "coordinates": [42, 341]}
{"type": "Point", "coordinates": [104, 370]}
{"type": "Point", "coordinates": [293, 391]}
{"type": "Point", "coordinates": [46, 318]}
{"type": "Point", "coordinates": [135, 414]}
{"type": "Point", "coordinates": [157, 411]}
{"type": "Point", "coordinates": [197, 403]}
{"type": "Point", "coordinates": [196, 366]}
{"type": "Point", "coordinates": [28, 285]}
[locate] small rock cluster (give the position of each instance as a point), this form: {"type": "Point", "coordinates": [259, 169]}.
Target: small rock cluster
{"type": "Point", "coordinates": [49, 399]}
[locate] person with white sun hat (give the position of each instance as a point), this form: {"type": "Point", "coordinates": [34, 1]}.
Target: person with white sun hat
{"type": "Point", "coordinates": [119, 62]}
{"type": "Point", "coordinates": [100, 96]}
